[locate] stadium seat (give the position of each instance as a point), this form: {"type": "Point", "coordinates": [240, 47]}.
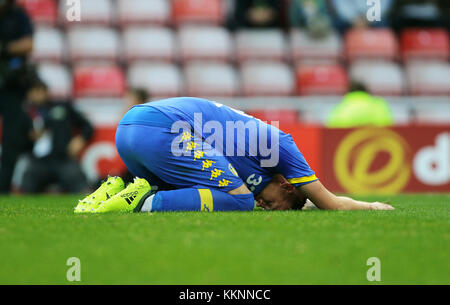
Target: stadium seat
{"type": "Point", "coordinates": [306, 48]}
{"type": "Point", "coordinates": [429, 77]}
{"type": "Point", "coordinates": [211, 79]}
{"type": "Point", "coordinates": [321, 80]}
{"type": "Point", "coordinates": [286, 116]}
{"type": "Point", "coordinates": [205, 43]}
{"type": "Point", "coordinates": [98, 81]}
{"type": "Point", "coordinates": [143, 12]}
{"type": "Point", "coordinates": [380, 77]}
{"type": "Point", "coordinates": [149, 43]}
{"type": "Point", "coordinates": [58, 79]}
{"type": "Point", "coordinates": [159, 78]}
{"type": "Point", "coordinates": [49, 44]}
{"type": "Point", "coordinates": [41, 11]}
{"type": "Point", "coordinates": [98, 12]}
{"type": "Point", "coordinates": [425, 43]}
{"type": "Point", "coordinates": [371, 43]}
{"type": "Point", "coordinates": [260, 45]}
{"type": "Point", "coordinates": [266, 78]}
{"type": "Point", "coordinates": [93, 43]}
{"type": "Point", "coordinates": [197, 11]}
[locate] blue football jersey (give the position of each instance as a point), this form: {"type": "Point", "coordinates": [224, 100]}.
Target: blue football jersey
{"type": "Point", "coordinates": [255, 150]}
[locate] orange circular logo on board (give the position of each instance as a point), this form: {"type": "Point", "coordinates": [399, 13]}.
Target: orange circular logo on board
{"type": "Point", "coordinates": [372, 160]}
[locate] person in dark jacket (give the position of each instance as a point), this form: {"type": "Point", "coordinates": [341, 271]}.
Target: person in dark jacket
{"type": "Point", "coordinates": [60, 133]}
{"type": "Point", "coordinates": [16, 44]}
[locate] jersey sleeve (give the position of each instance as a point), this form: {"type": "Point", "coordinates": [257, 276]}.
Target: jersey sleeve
{"type": "Point", "coordinates": [292, 164]}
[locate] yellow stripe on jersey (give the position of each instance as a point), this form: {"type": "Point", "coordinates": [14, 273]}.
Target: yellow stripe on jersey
{"type": "Point", "coordinates": [206, 200]}
{"type": "Point", "coordinates": [302, 179]}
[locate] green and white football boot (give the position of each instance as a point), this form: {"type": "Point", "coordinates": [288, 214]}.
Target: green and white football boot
{"type": "Point", "coordinates": [108, 189]}
{"type": "Point", "coordinates": [128, 200]}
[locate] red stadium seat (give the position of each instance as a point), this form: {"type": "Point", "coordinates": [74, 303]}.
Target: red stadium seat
{"type": "Point", "coordinates": [286, 116]}
{"type": "Point", "coordinates": [143, 12]}
{"type": "Point", "coordinates": [41, 11]}
{"type": "Point", "coordinates": [266, 79]}
{"type": "Point", "coordinates": [205, 43]}
{"type": "Point", "coordinates": [93, 43]}
{"type": "Point", "coordinates": [58, 79]}
{"type": "Point", "coordinates": [380, 77]}
{"type": "Point", "coordinates": [98, 81]}
{"type": "Point", "coordinates": [429, 77]}
{"type": "Point", "coordinates": [305, 48]}
{"type": "Point", "coordinates": [149, 43]}
{"type": "Point", "coordinates": [211, 79]}
{"type": "Point", "coordinates": [425, 43]}
{"type": "Point", "coordinates": [161, 79]}
{"type": "Point", "coordinates": [371, 43]}
{"type": "Point", "coordinates": [321, 80]}
{"type": "Point", "coordinates": [49, 44]}
{"type": "Point", "coordinates": [261, 45]}
{"type": "Point", "coordinates": [98, 12]}
{"type": "Point", "coordinates": [197, 11]}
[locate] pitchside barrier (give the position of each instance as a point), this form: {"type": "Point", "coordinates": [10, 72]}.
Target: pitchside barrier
{"type": "Point", "coordinates": [414, 158]}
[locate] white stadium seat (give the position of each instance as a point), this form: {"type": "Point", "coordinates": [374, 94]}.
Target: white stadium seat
{"type": "Point", "coordinates": [143, 11]}
{"type": "Point", "coordinates": [48, 44]}
{"type": "Point", "coordinates": [211, 79]}
{"type": "Point", "coordinates": [205, 42]}
{"type": "Point", "coordinates": [93, 43]}
{"type": "Point", "coordinates": [380, 77]}
{"type": "Point", "coordinates": [159, 78]}
{"type": "Point", "coordinates": [305, 48]}
{"type": "Point", "coordinates": [92, 12]}
{"type": "Point", "coordinates": [149, 43]}
{"type": "Point", "coordinates": [266, 78]}
{"type": "Point", "coordinates": [58, 79]}
{"type": "Point", "coordinates": [429, 77]}
{"type": "Point", "coordinates": [261, 44]}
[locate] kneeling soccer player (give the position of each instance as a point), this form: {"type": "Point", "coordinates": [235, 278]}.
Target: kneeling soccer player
{"type": "Point", "coordinates": [192, 154]}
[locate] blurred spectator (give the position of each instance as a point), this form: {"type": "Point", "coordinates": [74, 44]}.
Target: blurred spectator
{"type": "Point", "coordinates": [421, 13]}
{"type": "Point", "coordinates": [257, 14]}
{"type": "Point", "coordinates": [16, 43]}
{"type": "Point", "coordinates": [353, 14]}
{"type": "Point", "coordinates": [60, 133]}
{"type": "Point", "coordinates": [359, 108]}
{"type": "Point", "coordinates": [312, 15]}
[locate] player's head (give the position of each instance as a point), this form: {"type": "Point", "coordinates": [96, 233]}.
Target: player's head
{"type": "Point", "coordinates": [279, 194]}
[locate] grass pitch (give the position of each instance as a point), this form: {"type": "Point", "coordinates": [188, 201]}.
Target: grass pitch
{"type": "Point", "coordinates": [39, 234]}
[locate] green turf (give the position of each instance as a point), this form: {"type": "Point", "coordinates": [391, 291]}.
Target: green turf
{"type": "Point", "coordinates": [39, 234]}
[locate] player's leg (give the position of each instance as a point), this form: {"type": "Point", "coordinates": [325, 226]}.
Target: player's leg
{"type": "Point", "coordinates": [193, 199]}
{"type": "Point", "coordinates": [204, 181]}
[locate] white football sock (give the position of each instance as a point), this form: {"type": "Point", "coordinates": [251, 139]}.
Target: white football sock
{"type": "Point", "coordinates": [147, 206]}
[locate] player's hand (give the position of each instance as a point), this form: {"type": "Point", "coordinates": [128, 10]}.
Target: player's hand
{"type": "Point", "coordinates": [380, 206]}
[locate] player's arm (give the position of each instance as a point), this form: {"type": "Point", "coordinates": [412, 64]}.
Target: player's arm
{"type": "Point", "coordinates": [326, 200]}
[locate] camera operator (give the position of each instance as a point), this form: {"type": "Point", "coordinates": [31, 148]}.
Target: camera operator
{"type": "Point", "coordinates": [16, 44]}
